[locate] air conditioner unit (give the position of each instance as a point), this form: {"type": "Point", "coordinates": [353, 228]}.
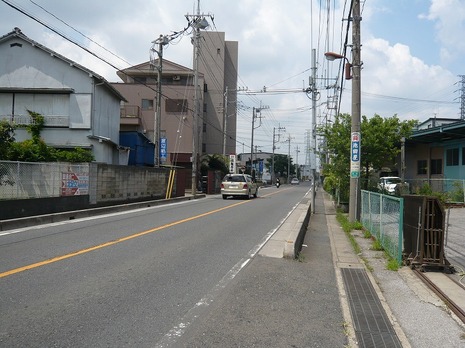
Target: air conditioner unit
{"type": "Point", "coordinates": [176, 78]}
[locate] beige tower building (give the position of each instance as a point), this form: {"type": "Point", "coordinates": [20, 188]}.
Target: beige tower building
{"type": "Point", "coordinates": [218, 63]}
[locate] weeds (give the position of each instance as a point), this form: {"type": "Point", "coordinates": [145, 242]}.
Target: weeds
{"type": "Point", "coordinates": [392, 264]}
{"type": "Point", "coordinates": [377, 245]}
{"type": "Point", "coordinates": [347, 227]}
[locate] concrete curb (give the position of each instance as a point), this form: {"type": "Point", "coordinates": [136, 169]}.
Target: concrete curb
{"type": "Point", "coordinates": [287, 240]}
{"type": "Point", "coordinates": [76, 214]}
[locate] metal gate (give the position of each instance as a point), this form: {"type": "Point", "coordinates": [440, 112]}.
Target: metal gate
{"type": "Point", "coordinates": [424, 233]}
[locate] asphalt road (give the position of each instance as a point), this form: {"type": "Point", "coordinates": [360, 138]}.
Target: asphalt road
{"type": "Point", "coordinates": [129, 279]}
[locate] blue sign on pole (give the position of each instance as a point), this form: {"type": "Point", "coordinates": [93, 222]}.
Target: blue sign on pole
{"type": "Point", "coordinates": [355, 155]}
{"type": "Point", "coordinates": [163, 149]}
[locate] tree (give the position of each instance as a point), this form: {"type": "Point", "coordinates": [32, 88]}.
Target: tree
{"type": "Point", "coordinates": [281, 163]}
{"type": "Point", "coordinates": [336, 172]}
{"type": "Point", "coordinates": [381, 139]}
{"type": "Point", "coordinates": [6, 139]}
{"type": "Point", "coordinates": [35, 149]}
{"type": "Point", "coordinates": [214, 162]}
{"type": "Point", "coordinates": [380, 144]}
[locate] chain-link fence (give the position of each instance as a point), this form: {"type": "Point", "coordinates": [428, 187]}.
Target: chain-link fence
{"type": "Point", "coordinates": [382, 215]}
{"type": "Point", "coordinates": [23, 180]}
{"type": "Point", "coordinates": [451, 190]}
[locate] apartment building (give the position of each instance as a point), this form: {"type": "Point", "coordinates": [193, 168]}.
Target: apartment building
{"type": "Point", "coordinates": [217, 73]}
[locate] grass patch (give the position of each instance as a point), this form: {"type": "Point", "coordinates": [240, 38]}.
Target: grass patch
{"type": "Point", "coordinates": [357, 225]}
{"type": "Point", "coordinates": [377, 245]}
{"type": "Point", "coordinates": [392, 264]}
{"type": "Point", "coordinates": [347, 228]}
{"type": "Point", "coordinates": [366, 234]}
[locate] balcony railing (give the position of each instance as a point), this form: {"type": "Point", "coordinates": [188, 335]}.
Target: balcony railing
{"type": "Point", "coordinates": [130, 115]}
{"type": "Point", "coordinates": [25, 120]}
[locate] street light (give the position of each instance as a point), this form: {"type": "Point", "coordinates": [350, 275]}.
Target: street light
{"type": "Point", "coordinates": [331, 56]}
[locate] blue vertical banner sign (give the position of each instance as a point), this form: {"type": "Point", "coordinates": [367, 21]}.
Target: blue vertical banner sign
{"type": "Point", "coordinates": [355, 155]}
{"type": "Point", "coordinates": [163, 149]}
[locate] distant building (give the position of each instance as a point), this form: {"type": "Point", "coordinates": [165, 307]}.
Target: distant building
{"type": "Point", "coordinates": [81, 109]}
{"type": "Point", "coordinates": [435, 122]}
{"type": "Point", "coordinates": [217, 72]}
{"type": "Point", "coordinates": [139, 88]}
{"type": "Point", "coordinates": [436, 152]}
{"type": "Point", "coordinates": [219, 64]}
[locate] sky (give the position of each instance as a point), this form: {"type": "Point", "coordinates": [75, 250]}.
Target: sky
{"type": "Point", "coordinates": [412, 53]}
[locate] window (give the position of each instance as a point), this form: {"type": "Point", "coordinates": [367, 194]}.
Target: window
{"type": "Point", "coordinates": [147, 104]}
{"type": "Point", "coordinates": [176, 105]}
{"type": "Point", "coordinates": [436, 166]}
{"type": "Point", "coordinates": [463, 156]}
{"type": "Point", "coordinates": [140, 79]}
{"type": "Point", "coordinates": [422, 167]}
{"type": "Point", "coordinates": [452, 157]}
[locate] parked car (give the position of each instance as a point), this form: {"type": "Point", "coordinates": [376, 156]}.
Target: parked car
{"type": "Point", "coordinates": [238, 185]}
{"type": "Point", "coordinates": [295, 181]}
{"type": "Point", "coordinates": [392, 185]}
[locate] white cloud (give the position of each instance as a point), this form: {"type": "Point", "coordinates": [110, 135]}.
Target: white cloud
{"type": "Point", "coordinates": [275, 42]}
{"type": "Point", "coordinates": [449, 17]}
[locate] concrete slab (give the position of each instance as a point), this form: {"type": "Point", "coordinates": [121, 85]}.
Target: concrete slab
{"type": "Point", "coordinates": [453, 290]}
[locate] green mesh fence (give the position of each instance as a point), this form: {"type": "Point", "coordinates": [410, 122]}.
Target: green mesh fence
{"type": "Point", "coordinates": [382, 215]}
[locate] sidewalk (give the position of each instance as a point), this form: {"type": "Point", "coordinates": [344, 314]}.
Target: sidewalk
{"type": "Point", "coordinates": [312, 302]}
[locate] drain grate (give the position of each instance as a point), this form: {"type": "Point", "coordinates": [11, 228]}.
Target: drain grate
{"type": "Point", "coordinates": [371, 324]}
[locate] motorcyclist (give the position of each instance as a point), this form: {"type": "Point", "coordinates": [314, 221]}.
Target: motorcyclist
{"type": "Point", "coordinates": [278, 182]}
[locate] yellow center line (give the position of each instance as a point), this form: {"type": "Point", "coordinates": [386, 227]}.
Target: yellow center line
{"type": "Point", "coordinates": [113, 242]}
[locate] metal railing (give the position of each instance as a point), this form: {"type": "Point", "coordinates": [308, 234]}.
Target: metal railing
{"type": "Point", "coordinates": [49, 120]}
{"type": "Point", "coordinates": [382, 215]}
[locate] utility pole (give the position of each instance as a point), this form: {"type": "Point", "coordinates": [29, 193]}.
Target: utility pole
{"type": "Point", "coordinates": [161, 41]}
{"type": "Point", "coordinates": [251, 142]}
{"type": "Point", "coordinates": [354, 195]}
{"type": "Point", "coordinates": [313, 157]}
{"type": "Point", "coordinates": [254, 115]}
{"type": "Point", "coordinates": [297, 159]}
{"type": "Point", "coordinates": [289, 158]}
{"type": "Point", "coordinates": [274, 148]}
{"type": "Point", "coordinates": [197, 22]}
{"type": "Point", "coordinates": [225, 120]}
